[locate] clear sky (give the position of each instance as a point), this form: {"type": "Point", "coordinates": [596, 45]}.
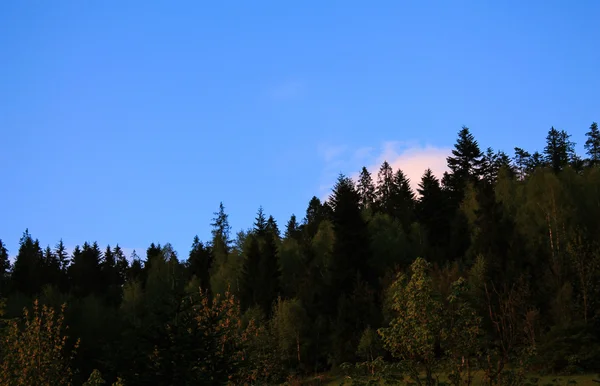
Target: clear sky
{"type": "Point", "coordinates": [129, 121]}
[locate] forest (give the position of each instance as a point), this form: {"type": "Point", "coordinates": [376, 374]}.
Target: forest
{"type": "Point", "coordinates": [486, 275]}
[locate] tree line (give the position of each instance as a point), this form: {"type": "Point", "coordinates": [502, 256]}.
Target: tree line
{"type": "Point", "coordinates": [494, 268]}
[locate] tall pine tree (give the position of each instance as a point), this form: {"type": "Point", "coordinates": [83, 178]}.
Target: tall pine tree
{"type": "Point", "coordinates": [366, 189]}
{"type": "Point", "coordinates": [559, 150]}
{"type": "Point", "coordinates": [592, 144]}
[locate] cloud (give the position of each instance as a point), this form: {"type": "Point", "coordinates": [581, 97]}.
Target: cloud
{"type": "Point", "coordinates": [412, 157]}
{"type": "Point", "coordinates": [287, 90]}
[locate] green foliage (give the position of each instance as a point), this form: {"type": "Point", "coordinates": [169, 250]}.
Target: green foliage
{"type": "Point", "coordinates": [510, 284]}
{"type": "Point", "coordinates": [415, 332]}
{"type": "Point", "coordinates": [37, 352]}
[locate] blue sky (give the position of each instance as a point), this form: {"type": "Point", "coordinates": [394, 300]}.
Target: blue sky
{"type": "Point", "coordinates": [129, 121]}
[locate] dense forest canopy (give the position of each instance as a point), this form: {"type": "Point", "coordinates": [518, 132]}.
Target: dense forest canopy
{"type": "Point", "coordinates": [495, 268]}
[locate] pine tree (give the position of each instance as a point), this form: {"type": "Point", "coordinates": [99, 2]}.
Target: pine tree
{"type": "Point", "coordinates": [315, 213]}
{"type": "Point", "coordinates": [85, 270]}
{"type": "Point", "coordinates": [4, 269]}
{"type": "Point", "coordinates": [250, 276]}
{"type": "Point", "coordinates": [366, 189]}
{"type": "Point", "coordinates": [559, 150]}
{"type": "Point", "coordinates": [592, 144]}
{"type": "Point", "coordinates": [122, 265]}
{"type": "Point", "coordinates": [351, 246]}
{"type": "Point", "coordinates": [522, 159]}
{"type": "Point", "coordinates": [199, 263]}
{"type": "Point", "coordinates": [432, 211]}
{"type": "Point", "coordinates": [272, 228]}
{"type": "Point", "coordinates": [464, 164]}
{"type": "Point", "coordinates": [61, 253]}
{"type": "Point", "coordinates": [260, 223]}
{"type": "Point", "coordinates": [50, 268]}
{"type": "Point", "coordinates": [26, 274]}
{"type": "Point", "coordinates": [221, 242]}
{"type": "Point", "coordinates": [385, 189]}
{"type": "Point", "coordinates": [403, 200]}
{"type": "Point", "coordinates": [270, 272]}
{"type": "Point", "coordinates": [292, 229]}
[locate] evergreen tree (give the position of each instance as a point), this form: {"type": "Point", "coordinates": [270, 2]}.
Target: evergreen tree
{"type": "Point", "coordinates": [403, 200]}
{"type": "Point", "coordinates": [122, 265]}
{"type": "Point", "coordinates": [4, 269]}
{"type": "Point", "coordinates": [61, 254]}
{"type": "Point", "coordinates": [464, 164]}
{"type": "Point", "coordinates": [522, 161]}
{"type": "Point", "coordinates": [559, 150]}
{"type": "Point", "coordinates": [592, 144]}
{"type": "Point", "coordinates": [27, 269]}
{"type": "Point", "coordinates": [432, 210]}
{"type": "Point", "coordinates": [315, 213]}
{"type": "Point", "coordinates": [221, 230]}
{"type": "Point", "coordinates": [366, 189]}
{"type": "Point", "coordinates": [50, 268]}
{"type": "Point", "coordinates": [385, 189]}
{"type": "Point", "coordinates": [250, 276]}
{"type": "Point", "coordinates": [270, 272]}
{"type": "Point", "coordinates": [260, 223]}
{"type": "Point", "coordinates": [199, 263]}
{"type": "Point", "coordinates": [351, 246]}
{"type": "Point", "coordinates": [272, 228]}
{"type": "Point", "coordinates": [292, 229]}
{"type": "Point", "coordinates": [85, 270]}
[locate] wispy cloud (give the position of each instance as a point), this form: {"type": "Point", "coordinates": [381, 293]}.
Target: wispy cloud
{"type": "Point", "coordinates": [287, 90]}
{"type": "Point", "coordinates": [413, 158]}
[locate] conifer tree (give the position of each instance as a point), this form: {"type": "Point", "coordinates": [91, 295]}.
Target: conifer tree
{"type": "Point", "coordinates": [592, 144]}
{"type": "Point", "coordinates": [432, 209]}
{"type": "Point", "coordinates": [522, 161]}
{"type": "Point", "coordinates": [4, 269]}
{"type": "Point", "coordinates": [199, 263]}
{"type": "Point", "coordinates": [351, 246]}
{"type": "Point", "coordinates": [559, 150]}
{"type": "Point", "coordinates": [385, 189]}
{"type": "Point", "coordinates": [403, 200]}
{"type": "Point", "coordinates": [250, 276]}
{"type": "Point", "coordinates": [464, 164]}
{"type": "Point", "coordinates": [366, 189]}
{"type": "Point", "coordinates": [260, 223]}
{"type": "Point", "coordinates": [272, 228]}
{"type": "Point", "coordinates": [292, 229]}
{"type": "Point", "coordinates": [26, 274]}
{"type": "Point", "coordinates": [50, 268]}
{"type": "Point", "coordinates": [315, 213]}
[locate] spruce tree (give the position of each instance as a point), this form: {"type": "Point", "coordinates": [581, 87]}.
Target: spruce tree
{"type": "Point", "coordinates": [522, 160]}
{"type": "Point", "coordinates": [272, 228]}
{"type": "Point", "coordinates": [403, 200]}
{"type": "Point", "coordinates": [351, 245]}
{"type": "Point", "coordinates": [315, 213]}
{"type": "Point", "coordinates": [221, 242]}
{"type": "Point", "coordinates": [121, 263]}
{"type": "Point", "coordinates": [559, 150]}
{"type": "Point", "coordinates": [464, 164]}
{"type": "Point", "coordinates": [250, 276]}
{"type": "Point", "coordinates": [592, 144]}
{"type": "Point", "coordinates": [4, 269]}
{"type": "Point", "coordinates": [50, 268]}
{"type": "Point", "coordinates": [269, 271]}
{"type": "Point", "coordinates": [26, 274]}
{"type": "Point", "coordinates": [292, 229]}
{"type": "Point", "coordinates": [385, 189]}
{"type": "Point", "coordinates": [432, 211]}
{"type": "Point", "coordinates": [199, 263]}
{"type": "Point", "coordinates": [366, 189]}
